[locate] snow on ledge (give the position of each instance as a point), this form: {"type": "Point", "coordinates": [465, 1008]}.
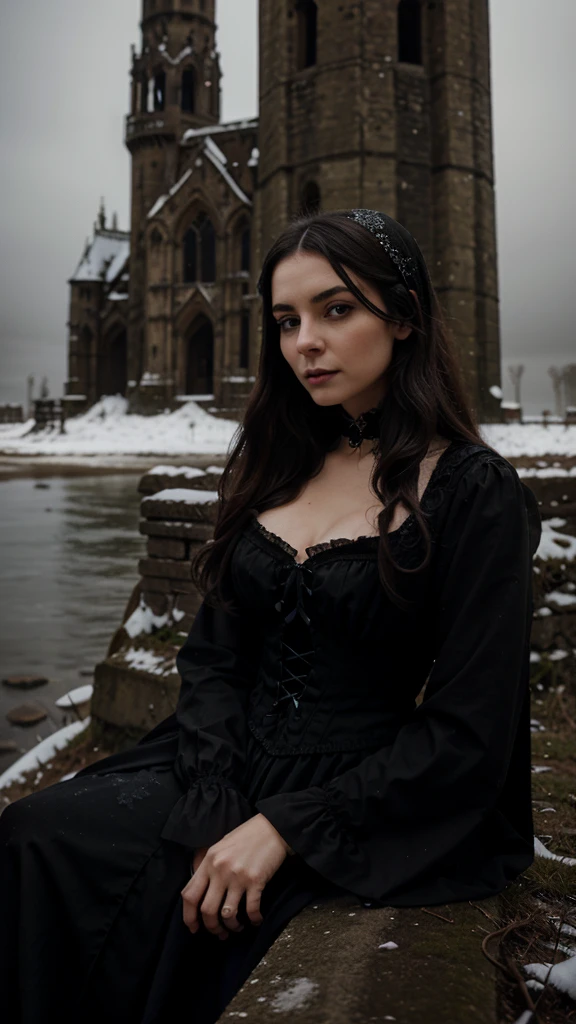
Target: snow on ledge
{"type": "Point", "coordinates": [183, 494]}
{"type": "Point", "coordinates": [42, 753]}
{"type": "Point", "coordinates": [187, 471]}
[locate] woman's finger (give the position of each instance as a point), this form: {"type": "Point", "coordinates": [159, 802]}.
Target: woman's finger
{"type": "Point", "coordinates": [192, 894]}
{"type": "Point", "coordinates": [229, 909]}
{"type": "Point", "coordinates": [253, 895]}
{"type": "Point", "coordinates": [210, 908]}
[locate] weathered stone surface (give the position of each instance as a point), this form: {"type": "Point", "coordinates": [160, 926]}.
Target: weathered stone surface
{"type": "Point", "coordinates": [326, 967]}
{"type": "Point", "coordinates": [131, 698]}
{"type": "Point", "coordinates": [201, 512]}
{"type": "Point", "coordinates": [24, 682]}
{"type": "Point", "coordinates": [165, 547]}
{"type": "Point", "coordinates": [164, 568]}
{"type": "Point", "coordinates": [151, 483]}
{"type": "Point", "coordinates": [199, 532]}
{"type": "Point", "coordinates": [27, 714]}
{"type": "Point", "coordinates": [169, 586]}
{"type": "Point", "coordinates": [158, 602]}
{"type": "Point", "coordinates": [188, 603]}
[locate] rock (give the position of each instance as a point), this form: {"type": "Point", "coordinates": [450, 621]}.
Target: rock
{"type": "Point", "coordinates": [25, 682]}
{"type": "Point", "coordinates": [27, 714]}
{"type": "Point", "coordinates": [8, 747]}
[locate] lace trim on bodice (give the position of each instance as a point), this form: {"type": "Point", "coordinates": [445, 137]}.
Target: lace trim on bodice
{"type": "Point", "coordinates": [334, 542]}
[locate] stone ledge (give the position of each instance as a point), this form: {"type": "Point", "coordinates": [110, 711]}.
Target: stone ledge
{"type": "Point", "coordinates": [326, 968]}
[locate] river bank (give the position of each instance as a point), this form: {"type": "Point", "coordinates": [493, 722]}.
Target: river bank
{"type": "Point", "coordinates": [14, 467]}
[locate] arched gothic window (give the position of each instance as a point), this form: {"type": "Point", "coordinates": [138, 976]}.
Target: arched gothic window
{"type": "Point", "coordinates": [159, 90]}
{"type": "Point", "coordinates": [410, 31]}
{"type": "Point", "coordinates": [244, 340]}
{"type": "Point", "coordinates": [307, 25]}
{"type": "Point", "coordinates": [188, 91]}
{"type": "Point", "coordinates": [310, 201]}
{"type": "Point", "coordinates": [244, 235]}
{"type": "Point", "coordinates": [143, 86]}
{"type": "Point", "coordinates": [199, 251]}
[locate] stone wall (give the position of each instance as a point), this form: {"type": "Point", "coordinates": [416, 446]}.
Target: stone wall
{"type": "Point", "coordinates": [137, 685]}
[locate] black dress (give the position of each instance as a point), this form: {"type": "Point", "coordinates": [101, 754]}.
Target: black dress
{"type": "Point", "coordinates": [301, 708]}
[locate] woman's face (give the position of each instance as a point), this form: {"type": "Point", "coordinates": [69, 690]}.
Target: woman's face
{"type": "Point", "coordinates": [324, 326]}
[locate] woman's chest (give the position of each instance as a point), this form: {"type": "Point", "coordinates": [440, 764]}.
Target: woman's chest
{"type": "Point", "coordinates": [338, 503]}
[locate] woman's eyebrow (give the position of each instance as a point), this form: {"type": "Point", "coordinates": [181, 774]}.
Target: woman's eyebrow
{"type": "Point", "coordinates": [282, 307]}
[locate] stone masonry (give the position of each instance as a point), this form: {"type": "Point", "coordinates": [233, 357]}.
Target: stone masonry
{"type": "Point", "coordinates": [375, 103]}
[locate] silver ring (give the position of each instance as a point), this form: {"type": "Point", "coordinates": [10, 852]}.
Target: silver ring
{"type": "Point", "coordinates": [226, 910]}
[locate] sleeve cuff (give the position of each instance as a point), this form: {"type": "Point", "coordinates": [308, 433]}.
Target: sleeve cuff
{"type": "Point", "coordinates": [309, 822]}
{"type": "Point", "coordinates": [210, 809]}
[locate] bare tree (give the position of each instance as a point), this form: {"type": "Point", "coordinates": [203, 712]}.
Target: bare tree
{"type": "Point", "coordinates": [515, 374]}
{"type": "Point", "coordinates": [557, 376]}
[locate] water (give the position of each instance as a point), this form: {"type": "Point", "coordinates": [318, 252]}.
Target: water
{"type": "Point", "coordinates": [69, 553]}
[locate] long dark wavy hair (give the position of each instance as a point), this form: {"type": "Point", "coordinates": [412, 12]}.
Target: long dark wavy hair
{"type": "Point", "coordinates": [284, 436]}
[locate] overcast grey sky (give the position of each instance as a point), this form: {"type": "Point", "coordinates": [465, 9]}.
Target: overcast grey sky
{"type": "Point", "coordinates": [64, 91]}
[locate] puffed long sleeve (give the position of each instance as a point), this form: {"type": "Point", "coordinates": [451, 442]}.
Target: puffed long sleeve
{"type": "Point", "coordinates": [450, 797]}
{"type": "Point", "coordinates": [218, 665]}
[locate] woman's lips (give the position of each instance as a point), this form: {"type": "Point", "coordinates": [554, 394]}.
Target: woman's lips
{"type": "Point", "coordinates": [321, 377]}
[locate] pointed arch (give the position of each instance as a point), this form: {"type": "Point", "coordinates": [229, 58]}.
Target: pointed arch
{"type": "Point", "coordinates": [199, 356]}
{"type": "Point", "coordinates": [159, 90]}
{"type": "Point", "coordinates": [307, 28]}
{"type": "Point", "coordinates": [199, 251]}
{"type": "Point", "coordinates": [188, 91]}
{"type": "Point", "coordinates": [244, 350]}
{"type": "Point", "coordinates": [310, 199]}
{"type": "Point", "coordinates": [410, 31]}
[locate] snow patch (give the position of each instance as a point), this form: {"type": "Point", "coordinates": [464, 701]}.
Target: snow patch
{"type": "Point", "coordinates": [75, 697]}
{"type": "Point", "coordinates": [42, 753]}
{"type": "Point", "coordinates": [530, 438]}
{"type": "Point", "coordinates": [541, 851]}
{"type": "Point", "coordinates": [143, 620]}
{"type": "Point", "coordinates": [189, 472]}
{"type": "Point", "coordinates": [554, 544]}
{"type": "Point", "coordinates": [561, 976]}
{"type": "Point", "coordinates": [560, 598]}
{"type": "Point", "coordinates": [140, 658]}
{"type": "Point", "coordinates": [183, 494]}
{"type": "Point", "coordinates": [295, 996]}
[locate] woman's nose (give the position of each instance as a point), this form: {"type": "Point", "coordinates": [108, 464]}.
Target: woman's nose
{"type": "Point", "coordinates": [309, 336]}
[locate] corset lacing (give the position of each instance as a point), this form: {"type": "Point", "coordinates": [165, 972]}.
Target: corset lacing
{"type": "Point", "coordinates": [295, 653]}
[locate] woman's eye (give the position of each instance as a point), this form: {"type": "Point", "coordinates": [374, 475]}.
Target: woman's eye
{"type": "Point", "coordinates": [339, 306]}
{"type": "Point", "coordinates": [284, 325]}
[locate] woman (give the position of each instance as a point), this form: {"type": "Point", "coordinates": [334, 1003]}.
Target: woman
{"type": "Point", "coordinates": [368, 542]}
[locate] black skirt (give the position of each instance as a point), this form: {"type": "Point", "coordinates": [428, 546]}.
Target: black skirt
{"type": "Point", "coordinates": [91, 924]}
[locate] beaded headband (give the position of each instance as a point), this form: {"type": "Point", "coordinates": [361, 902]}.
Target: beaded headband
{"type": "Point", "coordinates": [376, 225]}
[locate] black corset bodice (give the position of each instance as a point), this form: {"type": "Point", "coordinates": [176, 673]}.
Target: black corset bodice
{"type": "Point", "coordinates": [339, 669]}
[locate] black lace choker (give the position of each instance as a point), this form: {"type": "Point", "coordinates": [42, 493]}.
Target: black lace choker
{"type": "Point", "coordinates": [365, 428]}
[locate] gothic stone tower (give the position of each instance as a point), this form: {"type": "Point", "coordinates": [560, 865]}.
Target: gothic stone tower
{"type": "Point", "coordinates": [175, 86]}
{"type": "Point", "coordinates": [387, 104]}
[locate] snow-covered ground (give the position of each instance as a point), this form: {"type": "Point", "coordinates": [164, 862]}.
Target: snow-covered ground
{"type": "Point", "coordinates": [107, 429]}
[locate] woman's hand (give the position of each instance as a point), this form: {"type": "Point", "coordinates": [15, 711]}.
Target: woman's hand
{"type": "Point", "coordinates": [242, 862]}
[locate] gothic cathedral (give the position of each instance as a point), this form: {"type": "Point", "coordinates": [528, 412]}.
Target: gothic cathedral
{"type": "Point", "coordinates": [373, 103]}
